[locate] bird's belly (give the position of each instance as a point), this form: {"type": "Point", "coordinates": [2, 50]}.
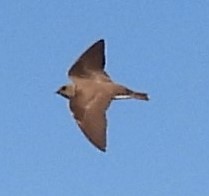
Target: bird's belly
{"type": "Point", "coordinates": [92, 88]}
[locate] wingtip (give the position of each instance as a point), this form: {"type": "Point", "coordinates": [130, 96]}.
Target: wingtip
{"type": "Point", "coordinates": [101, 41]}
{"type": "Point", "coordinates": [100, 148]}
{"type": "Point", "coordinates": [103, 149]}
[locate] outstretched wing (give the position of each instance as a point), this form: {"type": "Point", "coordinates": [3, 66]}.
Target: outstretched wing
{"type": "Point", "coordinates": [91, 61]}
{"type": "Point", "coordinates": [90, 117]}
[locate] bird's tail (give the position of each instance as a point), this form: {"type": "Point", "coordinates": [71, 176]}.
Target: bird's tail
{"type": "Point", "coordinates": [142, 96]}
{"type": "Point", "coordinates": [125, 93]}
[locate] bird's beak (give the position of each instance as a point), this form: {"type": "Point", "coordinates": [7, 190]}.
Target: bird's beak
{"type": "Point", "coordinates": [57, 92]}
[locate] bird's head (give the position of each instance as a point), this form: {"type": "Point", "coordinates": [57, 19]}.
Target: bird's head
{"type": "Point", "coordinates": [66, 91]}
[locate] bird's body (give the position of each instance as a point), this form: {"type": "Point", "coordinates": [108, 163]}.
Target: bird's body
{"type": "Point", "coordinates": [92, 92]}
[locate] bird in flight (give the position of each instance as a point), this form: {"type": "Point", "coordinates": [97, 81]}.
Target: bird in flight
{"type": "Point", "coordinates": [91, 93]}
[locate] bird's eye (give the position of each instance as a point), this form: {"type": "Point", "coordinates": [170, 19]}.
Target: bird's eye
{"type": "Point", "coordinates": [63, 88]}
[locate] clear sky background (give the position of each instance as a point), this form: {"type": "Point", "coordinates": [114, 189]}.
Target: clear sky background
{"type": "Point", "coordinates": [155, 148]}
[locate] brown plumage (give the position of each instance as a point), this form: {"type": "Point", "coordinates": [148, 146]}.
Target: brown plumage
{"type": "Point", "coordinates": [92, 92]}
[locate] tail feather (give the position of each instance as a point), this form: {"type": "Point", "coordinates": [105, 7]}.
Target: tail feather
{"type": "Point", "coordinates": [125, 93]}
{"type": "Point", "coordinates": [142, 96]}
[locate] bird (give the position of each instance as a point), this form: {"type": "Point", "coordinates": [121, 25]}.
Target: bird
{"type": "Point", "coordinates": [91, 92]}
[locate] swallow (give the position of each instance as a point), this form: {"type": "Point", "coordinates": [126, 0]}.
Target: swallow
{"type": "Point", "coordinates": [91, 93]}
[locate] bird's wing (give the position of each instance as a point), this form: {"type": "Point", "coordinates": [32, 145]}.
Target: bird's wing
{"type": "Point", "coordinates": [91, 61]}
{"type": "Point", "coordinates": [90, 116]}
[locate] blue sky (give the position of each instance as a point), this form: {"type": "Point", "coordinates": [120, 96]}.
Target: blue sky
{"type": "Point", "coordinates": [155, 148]}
